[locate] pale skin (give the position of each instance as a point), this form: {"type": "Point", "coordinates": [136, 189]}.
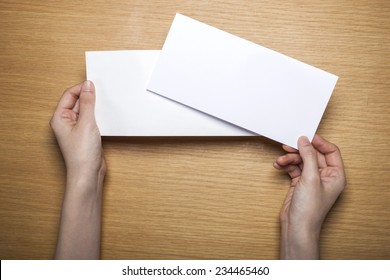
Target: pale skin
{"type": "Point", "coordinates": [316, 171]}
{"type": "Point", "coordinates": [79, 139]}
{"type": "Point", "coordinates": [317, 179]}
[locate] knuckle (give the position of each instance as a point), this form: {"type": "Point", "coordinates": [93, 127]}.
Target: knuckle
{"type": "Point", "coordinates": [52, 122]}
{"type": "Point", "coordinates": [335, 148]}
{"type": "Point", "coordinates": [87, 97]}
{"type": "Point", "coordinates": [309, 151]}
{"type": "Point", "coordinates": [55, 123]}
{"type": "Point", "coordinates": [343, 184]}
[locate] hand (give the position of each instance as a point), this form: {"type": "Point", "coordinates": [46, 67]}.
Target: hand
{"type": "Point", "coordinates": [75, 128]}
{"type": "Point", "coordinates": [317, 179]}
{"type": "Point", "coordinates": [79, 139]}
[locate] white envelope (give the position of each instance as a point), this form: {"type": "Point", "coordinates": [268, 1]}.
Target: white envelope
{"type": "Point", "coordinates": [125, 108]}
{"type": "Point", "coordinates": [241, 82]}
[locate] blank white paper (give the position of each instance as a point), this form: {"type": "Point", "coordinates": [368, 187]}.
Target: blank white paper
{"type": "Point", "coordinates": [241, 82]}
{"type": "Point", "coordinates": [125, 108]}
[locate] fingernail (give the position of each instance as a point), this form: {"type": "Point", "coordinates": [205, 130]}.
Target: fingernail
{"type": "Point", "coordinates": [303, 141]}
{"type": "Point", "coordinates": [87, 86]}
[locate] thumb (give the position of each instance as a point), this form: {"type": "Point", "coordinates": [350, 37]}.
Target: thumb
{"type": "Point", "coordinates": [87, 102]}
{"type": "Point", "coordinates": [310, 161]}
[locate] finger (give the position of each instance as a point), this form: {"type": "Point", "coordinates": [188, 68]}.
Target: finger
{"type": "Point", "coordinates": [288, 159]}
{"type": "Point", "coordinates": [87, 102]}
{"type": "Point", "coordinates": [69, 97]}
{"type": "Point", "coordinates": [309, 158]}
{"type": "Point", "coordinates": [76, 107]}
{"type": "Point", "coordinates": [292, 170]}
{"type": "Point", "coordinates": [330, 151]}
{"type": "Point", "coordinates": [289, 149]}
{"type": "Point", "coordinates": [321, 160]}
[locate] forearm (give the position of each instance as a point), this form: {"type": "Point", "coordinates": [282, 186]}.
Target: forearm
{"type": "Point", "coordinates": [299, 243]}
{"type": "Point", "coordinates": [80, 226]}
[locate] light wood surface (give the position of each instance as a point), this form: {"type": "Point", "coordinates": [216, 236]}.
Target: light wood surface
{"type": "Point", "coordinates": [192, 198]}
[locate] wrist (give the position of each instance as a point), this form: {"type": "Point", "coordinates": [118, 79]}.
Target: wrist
{"type": "Point", "coordinates": [83, 199]}
{"type": "Point", "coordinates": [87, 176]}
{"type": "Point", "coordinates": [85, 171]}
{"type": "Point", "coordinates": [77, 168]}
{"type": "Point", "coordinates": [299, 242]}
{"type": "Point", "coordinates": [83, 187]}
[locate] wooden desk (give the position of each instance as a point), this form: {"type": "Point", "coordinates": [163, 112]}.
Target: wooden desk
{"type": "Point", "coordinates": [190, 198]}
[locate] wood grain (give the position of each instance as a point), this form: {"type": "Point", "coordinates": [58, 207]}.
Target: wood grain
{"type": "Point", "coordinates": [192, 198]}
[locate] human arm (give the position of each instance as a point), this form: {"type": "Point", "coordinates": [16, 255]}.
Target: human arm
{"type": "Point", "coordinates": [78, 137]}
{"type": "Point", "coordinates": [317, 179]}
